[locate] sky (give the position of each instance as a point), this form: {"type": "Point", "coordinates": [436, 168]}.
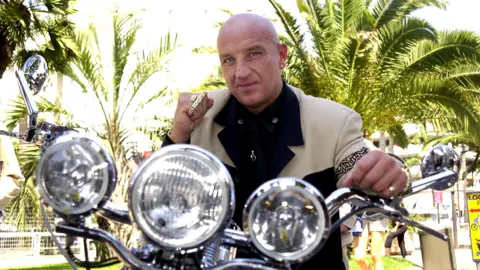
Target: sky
{"type": "Point", "coordinates": [194, 21]}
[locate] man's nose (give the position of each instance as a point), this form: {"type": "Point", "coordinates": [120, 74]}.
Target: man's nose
{"type": "Point", "coordinates": [242, 70]}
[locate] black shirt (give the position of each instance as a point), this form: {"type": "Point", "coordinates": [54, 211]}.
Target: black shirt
{"type": "Point", "coordinates": [257, 134]}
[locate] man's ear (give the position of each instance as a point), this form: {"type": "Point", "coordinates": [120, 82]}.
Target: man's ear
{"type": "Point", "coordinates": [283, 53]}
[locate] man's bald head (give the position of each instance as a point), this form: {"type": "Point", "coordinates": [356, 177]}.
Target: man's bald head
{"type": "Point", "coordinates": [252, 60]}
{"type": "Point", "coordinates": [249, 22]}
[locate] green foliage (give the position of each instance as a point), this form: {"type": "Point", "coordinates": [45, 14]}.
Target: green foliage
{"type": "Point", "coordinates": [388, 66]}
{"type": "Point", "coordinates": [36, 27]}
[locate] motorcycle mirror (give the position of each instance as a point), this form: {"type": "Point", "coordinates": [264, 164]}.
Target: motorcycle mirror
{"type": "Point", "coordinates": [36, 72]}
{"type": "Point", "coordinates": [441, 158]}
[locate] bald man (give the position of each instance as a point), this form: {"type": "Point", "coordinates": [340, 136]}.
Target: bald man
{"type": "Point", "coordinates": [262, 128]}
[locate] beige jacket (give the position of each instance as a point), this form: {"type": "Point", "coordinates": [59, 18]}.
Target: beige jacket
{"type": "Point", "coordinates": [331, 133]}
{"type": "Point", "coordinates": [11, 177]}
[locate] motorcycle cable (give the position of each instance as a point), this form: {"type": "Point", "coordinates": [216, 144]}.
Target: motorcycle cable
{"type": "Point", "coordinates": [68, 254]}
{"type": "Point", "coordinates": [54, 238]}
{"type": "Point", "coordinates": [87, 264]}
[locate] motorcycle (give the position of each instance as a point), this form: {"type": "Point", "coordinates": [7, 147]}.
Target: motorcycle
{"type": "Point", "coordinates": [182, 200]}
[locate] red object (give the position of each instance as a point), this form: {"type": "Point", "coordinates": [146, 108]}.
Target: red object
{"type": "Point", "coordinates": [474, 210]}
{"type": "Point", "coordinates": [438, 197]}
{"type": "Point", "coordinates": [146, 154]}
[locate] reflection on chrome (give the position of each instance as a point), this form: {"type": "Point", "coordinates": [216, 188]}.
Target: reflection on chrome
{"type": "Point", "coordinates": [74, 175]}
{"type": "Point", "coordinates": [180, 200]}
{"type": "Point", "coordinates": [287, 221]}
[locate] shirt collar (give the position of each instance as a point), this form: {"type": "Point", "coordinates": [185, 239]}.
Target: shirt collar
{"type": "Point", "coordinates": [273, 115]}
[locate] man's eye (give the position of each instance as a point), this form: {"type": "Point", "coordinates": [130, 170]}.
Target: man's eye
{"type": "Point", "coordinates": [228, 60]}
{"type": "Point", "coordinates": [254, 53]}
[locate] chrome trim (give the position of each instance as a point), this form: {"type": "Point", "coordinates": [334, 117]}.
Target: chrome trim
{"type": "Point", "coordinates": [341, 196]}
{"type": "Point", "coordinates": [102, 150]}
{"type": "Point", "coordinates": [247, 263]}
{"type": "Point", "coordinates": [449, 176]}
{"type": "Point", "coordinates": [111, 211]}
{"type": "Point", "coordinates": [186, 149]}
{"type": "Point", "coordinates": [119, 248]}
{"type": "Point", "coordinates": [236, 238]}
{"type": "Point", "coordinates": [30, 104]}
{"type": "Point", "coordinates": [272, 185]}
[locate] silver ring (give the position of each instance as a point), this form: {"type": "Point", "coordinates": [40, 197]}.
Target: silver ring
{"type": "Point", "coordinates": [391, 188]}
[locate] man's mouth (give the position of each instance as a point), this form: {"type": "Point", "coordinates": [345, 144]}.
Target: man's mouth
{"type": "Point", "coordinates": [246, 84]}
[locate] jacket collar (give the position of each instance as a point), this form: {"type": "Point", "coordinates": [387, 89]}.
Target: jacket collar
{"type": "Point", "coordinates": [289, 125]}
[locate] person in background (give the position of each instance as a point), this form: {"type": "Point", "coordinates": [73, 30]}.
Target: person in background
{"type": "Point", "coordinates": [399, 232]}
{"type": "Point", "coordinates": [346, 231]}
{"type": "Point", "coordinates": [11, 177]}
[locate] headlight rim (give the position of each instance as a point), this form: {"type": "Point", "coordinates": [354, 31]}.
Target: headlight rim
{"type": "Point", "coordinates": [222, 169]}
{"type": "Point", "coordinates": [72, 136]}
{"type": "Point", "coordinates": [270, 185]}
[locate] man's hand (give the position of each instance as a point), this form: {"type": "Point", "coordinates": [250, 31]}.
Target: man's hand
{"type": "Point", "coordinates": [377, 172]}
{"type": "Point", "coordinates": [344, 229]}
{"type": "Point", "coordinates": [183, 123]}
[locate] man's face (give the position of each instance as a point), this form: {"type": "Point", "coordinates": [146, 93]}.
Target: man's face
{"type": "Point", "coordinates": [251, 63]}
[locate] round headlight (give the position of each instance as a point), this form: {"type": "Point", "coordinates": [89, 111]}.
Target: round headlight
{"type": "Point", "coordinates": [287, 219]}
{"type": "Point", "coordinates": [181, 196]}
{"type": "Point", "coordinates": [75, 175]}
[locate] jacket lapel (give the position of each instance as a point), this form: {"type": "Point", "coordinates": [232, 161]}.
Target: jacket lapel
{"type": "Point", "coordinates": [290, 133]}
{"type": "Point", "coordinates": [228, 136]}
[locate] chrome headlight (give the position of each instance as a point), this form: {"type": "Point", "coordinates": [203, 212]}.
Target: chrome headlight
{"type": "Point", "coordinates": [287, 219]}
{"type": "Point", "coordinates": [181, 196]}
{"type": "Point", "coordinates": [75, 175]}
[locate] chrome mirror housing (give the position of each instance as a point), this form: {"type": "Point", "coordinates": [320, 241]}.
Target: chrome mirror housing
{"type": "Point", "coordinates": [439, 159]}
{"type": "Point", "coordinates": [35, 71]}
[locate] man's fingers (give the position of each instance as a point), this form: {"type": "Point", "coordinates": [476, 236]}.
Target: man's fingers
{"type": "Point", "coordinates": [210, 102]}
{"type": "Point", "coordinates": [363, 166]}
{"type": "Point", "coordinates": [375, 173]}
{"type": "Point", "coordinates": [383, 185]}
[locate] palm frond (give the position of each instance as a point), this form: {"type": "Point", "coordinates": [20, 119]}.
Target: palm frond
{"type": "Point", "coordinates": [205, 49]}
{"type": "Point", "coordinates": [124, 36]}
{"type": "Point", "coordinates": [349, 14]}
{"type": "Point", "coordinates": [386, 11]}
{"type": "Point", "coordinates": [451, 46]}
{"type": "Point", "coordinates": [149, 64]}
{"type": "Point", "coordinates": [399, 136]}
{"type": "Point", "coordinates": [396, 38]}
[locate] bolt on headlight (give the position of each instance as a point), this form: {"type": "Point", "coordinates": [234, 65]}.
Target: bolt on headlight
{"type": "Point", "coordinates": [181, 196]}
{"type": "Point", "coordinates": [287, 219]}
{"type": "Point", "coordinates": [75, 175]}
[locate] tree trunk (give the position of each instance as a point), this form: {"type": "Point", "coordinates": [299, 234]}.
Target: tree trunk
{"type": "Point", "coordinates": [59, 96]}
{"type": "Point", "coordinates": [382, 142]}
{"type": "Point", "coordinates": [6, 54]}
{"type": "Point", "coordinates": [390, 145]}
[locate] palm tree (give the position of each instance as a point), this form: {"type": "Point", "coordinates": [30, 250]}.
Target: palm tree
{"type": "Point", "coordinates": [119, 92]}
{"type": "Point", "coordinates": [390, 67]}
{"type": "Point", "coordinates": [27, 203]}
{"type": "Point", "coordinates": [36, 27]}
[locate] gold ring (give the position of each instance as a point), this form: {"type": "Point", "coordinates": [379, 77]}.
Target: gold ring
{"type": "Point", "coordinates": [193, 98]}
{"type": "Point", "coordinates": [196, 102]}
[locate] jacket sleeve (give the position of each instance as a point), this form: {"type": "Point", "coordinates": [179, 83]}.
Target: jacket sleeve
{"type": "Point", "coordinates": [350, 146]}
{"type": "Point", "coordinates": [168, 141]}
{"type": "Point", "coordinates": [11, 178]}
